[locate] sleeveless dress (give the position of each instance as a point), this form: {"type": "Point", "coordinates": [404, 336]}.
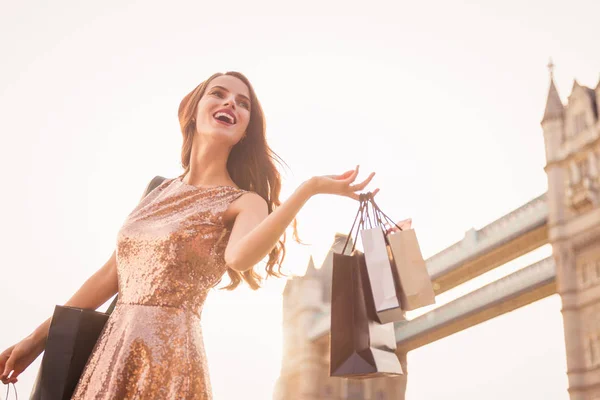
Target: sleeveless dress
{"type": "Point", "coordinates": [170, 252]}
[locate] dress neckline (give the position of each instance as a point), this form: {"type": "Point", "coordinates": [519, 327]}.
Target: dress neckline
{"type": "Point", "coordinates": [180, 180]}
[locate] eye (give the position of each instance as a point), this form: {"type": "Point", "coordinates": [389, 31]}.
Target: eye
{"type": "Point", "coordinates": [244, 104]}
{"type": "Point", "coordinates": [217, 93]}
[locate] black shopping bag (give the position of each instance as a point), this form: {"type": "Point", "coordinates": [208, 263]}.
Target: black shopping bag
{"type": "Point", "coordinates": [72, 336]}
{"type": "Point", "coordinates": [360, 347]}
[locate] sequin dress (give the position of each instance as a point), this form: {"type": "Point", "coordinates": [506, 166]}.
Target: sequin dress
{"type": "Point", "coordinates": [169, 254]}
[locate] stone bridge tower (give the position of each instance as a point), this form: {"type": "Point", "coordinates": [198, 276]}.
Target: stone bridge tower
{"type": "Point", "coordinates": [572, 141]}
{"type": "Point", "coordinates": [302, 362]}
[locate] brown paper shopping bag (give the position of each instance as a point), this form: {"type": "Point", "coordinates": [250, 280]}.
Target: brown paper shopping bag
{"type": "Point", "coordinates": [416, 289]}
{"type": "Point", "coordinates": [413, 281]}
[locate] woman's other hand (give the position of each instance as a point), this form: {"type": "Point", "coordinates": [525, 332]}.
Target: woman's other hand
{"type": "Point", "coordinates": [342, 185]}
{"type": "Point", "coordinates": [17, 358]}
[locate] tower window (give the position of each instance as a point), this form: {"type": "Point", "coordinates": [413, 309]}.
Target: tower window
{"type": "Point", "coordinates": [583, 278]}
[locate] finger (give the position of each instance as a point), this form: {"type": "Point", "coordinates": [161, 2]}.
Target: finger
{"type": "Point", "coordinates": [344, 175]}
{"type": "Point", "coordinates": [3, 359]}
{"type": "Point", "coordinates": [375, 192]}
{"type": "Point", "coordinates": [8, 368]}
{"type": "Point", "coordinates": [16, 373]}
{"type": "Point", "coordinates": [363, 184]}
{"type": "Point", "coordinates": [352, 177]}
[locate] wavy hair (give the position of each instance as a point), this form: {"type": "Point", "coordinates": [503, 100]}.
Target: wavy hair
{"type": "Point", "coordinates": [251, 165]}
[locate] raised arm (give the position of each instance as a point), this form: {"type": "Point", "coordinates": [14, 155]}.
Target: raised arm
{"type": "Point", "coordinates": [255, 232]}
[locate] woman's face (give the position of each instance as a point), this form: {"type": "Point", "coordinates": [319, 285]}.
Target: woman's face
{"type": "Point", "coordinates": [224, 110]}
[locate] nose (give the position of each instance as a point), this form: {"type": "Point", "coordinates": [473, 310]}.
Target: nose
{"type": "Point", "coordinates": [229, 102]}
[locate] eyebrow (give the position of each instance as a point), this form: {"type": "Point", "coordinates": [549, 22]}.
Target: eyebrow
{"type": "Point", "coordinates": [225, 89]}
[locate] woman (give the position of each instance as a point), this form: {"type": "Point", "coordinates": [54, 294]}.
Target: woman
{"type": "Point", "coordinates": [221, 215]}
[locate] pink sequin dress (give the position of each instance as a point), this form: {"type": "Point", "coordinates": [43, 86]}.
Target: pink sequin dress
{"type": "Point", "coordinates": [169, 254]}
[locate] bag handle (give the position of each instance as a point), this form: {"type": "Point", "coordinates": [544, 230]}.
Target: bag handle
{"type": "Point", "coordinates": [157, 180]}
{"type": "Point", "coordinates": [368, 217]}
{"type": "Point", "coordinates": [359, 213]}
{"type": "Point", "coordinates": [363, 216]}
{"type": "Point", "coordinates": [8, 390]}
{"type": "Point", "coordinates": [380, 214]}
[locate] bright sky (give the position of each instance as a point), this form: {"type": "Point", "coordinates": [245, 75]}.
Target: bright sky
{"type": "Point", "coordinates": [442, 99]}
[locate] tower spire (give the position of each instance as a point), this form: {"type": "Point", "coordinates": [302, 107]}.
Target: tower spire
{"type": "Point", "coordinates": [551, 69]}
{"type": "Point", "coordinates": [554, 106]}
{"type": "Point", "coordinates": [311, 270]}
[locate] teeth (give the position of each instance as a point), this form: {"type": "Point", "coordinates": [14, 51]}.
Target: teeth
{"type": "Point", "coordinates": [222, 114]}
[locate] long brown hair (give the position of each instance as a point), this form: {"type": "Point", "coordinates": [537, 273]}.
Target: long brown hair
{"type": "Point", "coordinates": [251, 165]}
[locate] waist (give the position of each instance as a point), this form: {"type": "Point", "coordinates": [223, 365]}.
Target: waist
{"type": "Point", "coordinates": [169, 308]}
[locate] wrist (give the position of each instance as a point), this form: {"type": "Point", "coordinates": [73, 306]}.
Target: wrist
{"type": "Point", "coordinates": [310, 187]}
{"type": "Point", "coordinates": [40, 335]}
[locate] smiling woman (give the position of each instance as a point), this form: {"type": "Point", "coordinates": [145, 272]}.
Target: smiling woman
{"type": "Point", "coordinates": [222, 214]}
{"type": "Point", "coordinates": [224, 111]}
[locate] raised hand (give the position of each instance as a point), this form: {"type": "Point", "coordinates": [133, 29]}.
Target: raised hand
{"type": "Point", "coordinates": [342, 185]}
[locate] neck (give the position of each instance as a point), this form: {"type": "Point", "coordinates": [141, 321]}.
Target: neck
{"type": "Point", "coordinates": [208, 165]}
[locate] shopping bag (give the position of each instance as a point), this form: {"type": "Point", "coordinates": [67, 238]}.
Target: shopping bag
{"type": "Point", "coordinates": [360, 347]}
{"type": "Point", "coordinates": [416, 290]}
{"type": "Point", "coordinates": [380, 276]}
{"type": "Point", "coordinates": [410, 270]}
{"type": "Point", "coordinates": [72, 336]}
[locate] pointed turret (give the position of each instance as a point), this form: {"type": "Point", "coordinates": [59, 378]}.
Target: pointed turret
{"type": "Point", "coordinates": [311, 270]}
{"type": "Point", "coordinates": [554, 106]}
{"type": "Point", "coordinates": [553, 121]}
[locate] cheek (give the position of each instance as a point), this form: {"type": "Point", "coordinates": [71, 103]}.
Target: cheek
{"type": "Point", "coordinates": [246, 121]}
{"type": "Point", "coordinates": [202, 112]}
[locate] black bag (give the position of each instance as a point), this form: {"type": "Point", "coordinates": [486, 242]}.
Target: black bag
{"type": "Point", "coordinates": [71, 338]}
{"type": "Point", "coordinates": [360, 347]}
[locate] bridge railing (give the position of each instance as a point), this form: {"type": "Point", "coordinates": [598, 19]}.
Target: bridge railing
{"type": "Point", "coordinates": [527, 217]}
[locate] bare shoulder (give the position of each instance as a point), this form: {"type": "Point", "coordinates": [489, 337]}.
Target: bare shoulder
{"type": "Point", "coordinates": [247, 203]}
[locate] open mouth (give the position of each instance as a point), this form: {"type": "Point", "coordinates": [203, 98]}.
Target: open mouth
{"type": "Point", "coordinates": [224, 117]}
